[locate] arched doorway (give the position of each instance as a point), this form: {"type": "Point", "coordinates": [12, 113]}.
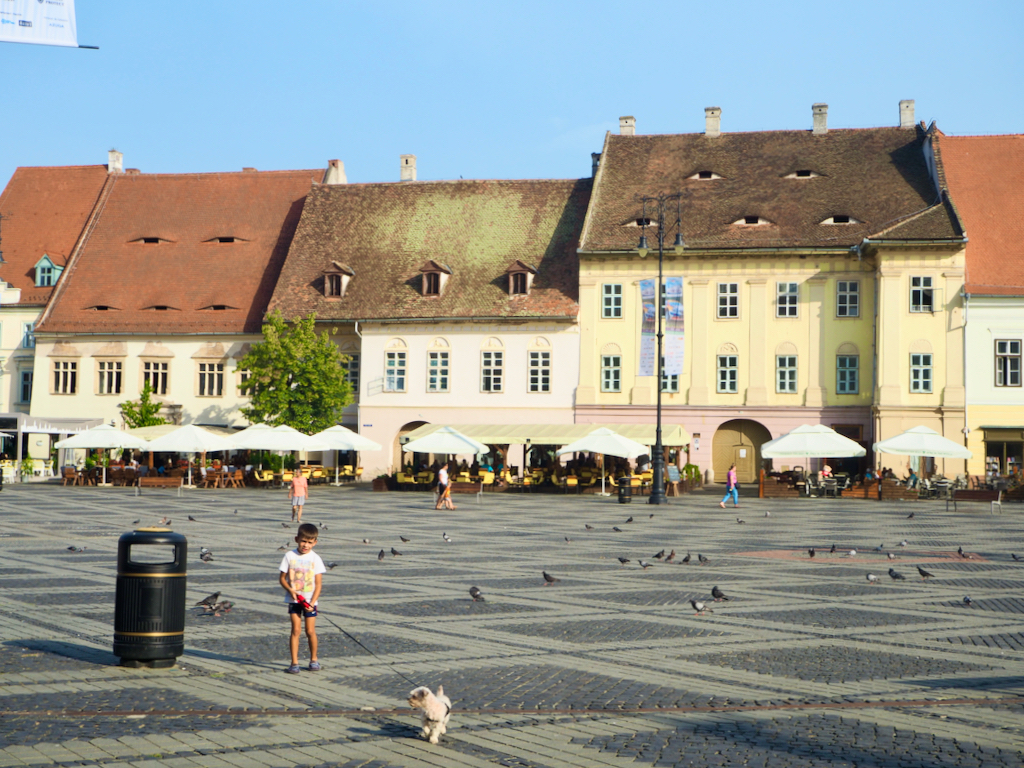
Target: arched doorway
{"type": "Point", "coordinates": [399, 457]}
{"type": "Point", "coordinates": [739, 442]}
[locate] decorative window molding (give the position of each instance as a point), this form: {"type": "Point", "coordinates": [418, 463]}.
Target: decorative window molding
{"type": "Point", "coordinates": [210, 351]}
{"type": "Point", "coordinates": [336, 279]}
{"type": "Point", "coordinates": [434, 278]}
{"type": "Point", "coordinates": [520, 278]}
{"type": "Point", "coordinates": [611, 348]}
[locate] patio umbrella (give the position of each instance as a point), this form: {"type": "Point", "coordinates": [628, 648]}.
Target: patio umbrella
{"type": "Point", "coordinates": [343, 439]}
{"type": "Point", "coordinates": [280, 438]}
{"type": "Point", "coordinates": [191, 439]}
{"type": "Point", "coordinates": [104, 436]}
{"type": "Point", "coordinates": [921, 441]}
{"type": "Point", "coordinates": [446, 440]}
{"type": "Point", "coordinates": [811, 440]}
{"type": "Point", "coordinates": [608, 443]}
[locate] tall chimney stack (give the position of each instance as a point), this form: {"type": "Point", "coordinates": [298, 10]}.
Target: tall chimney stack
{"type": "Point", "coordinates": [712, 122]}
{"type": "Point", "coordinates": [820, 113]}
{"type": "Point", "coordinates": [627, 125]}
{"type": "Point", "coordinates": [335, 173]}
{"type": "Point", "coordinates": [115, 162]}
{"type": "Point", "coordinates": [408, 167]}
{"type": "Point", "coordinates": [907, 113]}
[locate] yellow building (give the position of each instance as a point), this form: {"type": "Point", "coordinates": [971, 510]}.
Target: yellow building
{"type": "Point", "coordinates": [795, 248]}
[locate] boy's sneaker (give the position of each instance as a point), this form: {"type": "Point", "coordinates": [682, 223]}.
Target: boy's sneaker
{"type": "Point", "coordinates": [293, 669]}
{"type": "Point", "coordinates": [314, 666]}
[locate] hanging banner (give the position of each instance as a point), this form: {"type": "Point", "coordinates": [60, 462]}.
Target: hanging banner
{"type": "Point", "coordinates": [44, 22]}
{"type": "Point", "coordinates": [673, 326]}
{"type": "Point", "coordinates": [648, 329]}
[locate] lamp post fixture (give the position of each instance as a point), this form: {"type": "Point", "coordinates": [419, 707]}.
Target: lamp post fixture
{"type": "Point", "coordinates": [657, 205]}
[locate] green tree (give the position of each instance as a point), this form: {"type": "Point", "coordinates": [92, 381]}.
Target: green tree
{"type": "Point", "coordinates": [296, 377]}
{"type": "Point", "coordinates": [142, 413]}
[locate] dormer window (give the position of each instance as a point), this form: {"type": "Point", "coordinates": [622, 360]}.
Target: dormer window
{"type": "Point", "coordinates": [705, 176]}
{"type": "Point", "coordinates": [160, 307]}
{"type": "Point", "coordinates": [217, 307]}
{"type": "Point", "coordinates": [840, 218]}
{"type": "Point", "coordinates": [804, 173]}
{"type": "Point", "coordinates": [226, 239]}
{"type": "Point", "coordinates": [751, 221]}
{"type": "Point", "coordinates": [151, 240]}
{"type": "Point", "coordinates": [435, 277]}
{"type": "Point", "coordinates": [520, 278]}
{"type": "Point", "coordinates": [336, 280]}
{"type": "Point", "coordinates": [47, 272]}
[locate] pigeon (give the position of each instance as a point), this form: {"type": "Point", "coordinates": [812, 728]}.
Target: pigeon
{"type": "Point", "coordinates": [644, 564]}
{"type": "Point", "coordinates": [718, 594]}
{"type": "Point", "coordinates": [650, 516]}
{"type": "Point", "coordinates": [623, 560]}
{"type": "Point", "coordinates": [165, 521]}
{"type": "Point", "coordinates": [236, 511]}
{"type": "Point", "coordinates": [629, 519]}
{"type": "Point", "coordinates": [204, 550]}
{"type": "Point", "coordinates": [852, 553]}
{"type": "Point", "coordinates": [924, 573]}
{"type": "Point", "coordinates": [896, 575]}
{"type": "Point", "coordinates": [1015, 557]}
{"type": "Point", "coordinates": [136, 522]}
{"type": "Point", "coordinates": [767, 513]}
{"type": "Point", "coordinates": [890, 555]}
{"type": "Point", "coordinates": [617, 530]}
{"type": "Point", "coordinates": [967, 600]}
{"type": "Point", "coordinates": [588, 526]}
{"type": "Point", "coordinates": [880, 547]}
{"type": "Point", "coordinates": [741, 522]}
{"type": "Point", "coordinates": [324, 526]}
{"type": "Point", "coordinates": [810, 552]}
{"type": "Point", "coordinates": [209, 600]}
{"type": "Point", "coordinates": [476, 594]}
{"type": "Point", "coordinates": [395, 552]}
{"type": "Point", "coordinates": [73, 548]}
{"type": "Point", "coordinates": [671, 556]}
{"type": "Point", "coordinates": [833, 550]}
{"type": "Point", "coordinates": [206, 557]}
{"type": "Point", "coordinates": [283, 548]}
{"type": "Point", "coordinates": [904, 543]}
{"type": "Point", "coordinates": [446, 537]}
{"type": "Point", "coordinates": [366, 541]}
{"type": "Point", "coordinates": [686, 560]}
{"type": "Point", "coordinates": [286, 525]}
{"type": "Point", "coordinates": [701, 559]}
{"type": "Point", "coordinates": [699, 607]}
{"type": "Point", "coordinates": [910, 516]}
{"type": "Point", "coordinates": [549, 579]}
{"type": "Point", "coordinates": [192, 519]}
{"type": "Point", "coordinates": [659, 555]}
{"type": "Point", "coordinates": [404, 540]}
{"type": "Point", "coordinates": [380, 555]}
{"type": "Point", "coordinates": [964, 555]}
{"type": "Point", "coordinates": [224, 606]}
{"type": "Point", "coordinates": [872, 579]}
{"type": "Point", "coordinates": [331, 566]}
{"type": "Point", "coordinates": [568, 540]}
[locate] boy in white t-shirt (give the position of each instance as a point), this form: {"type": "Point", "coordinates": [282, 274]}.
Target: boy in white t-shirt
{"type": "Point", "coordinates": [301, 576]}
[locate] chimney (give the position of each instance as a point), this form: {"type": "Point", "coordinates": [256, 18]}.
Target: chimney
{"type": "Point", "coordinates": [115, 162]}
{"type": "Point", "coordinates": [712, 122]}
{"type": "Point", "coordinates": [335, 173]}
{"type": "Point", "coordinates": [595, 163]}
{"type": "Point", "coordinates": [408, 168]}
{"type": "Point", "coordinates": [627, 125]}
{"type": "Point", "coordinates": [820, 113]}
{"type": "Point", "coordinates": [907, 113]}
{"type": "Point", "coordinates": [248, 170]}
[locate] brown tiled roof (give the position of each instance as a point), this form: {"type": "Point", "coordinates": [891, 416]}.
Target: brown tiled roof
{"type": "Point", "coordinates": [387, 232]}
{"type": "Point", "coordinates": [187, 271]}
{"type": "Point", "coordinates": [877, 176]}
{"type": "Point", "coordinates": [45, 211]}
{"type": "Point", "coordinates": [986, 182]}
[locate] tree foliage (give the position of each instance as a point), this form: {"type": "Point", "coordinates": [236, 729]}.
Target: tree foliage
{"type": "Point", "coordinates": [296, 377]}
{"type": "Point", "coordinates": [141, 413]}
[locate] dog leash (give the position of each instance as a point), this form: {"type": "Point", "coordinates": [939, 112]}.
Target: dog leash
{"type": "Point", "coordinates": [307, 607]}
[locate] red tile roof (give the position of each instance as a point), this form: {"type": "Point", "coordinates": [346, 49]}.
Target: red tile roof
{"type": "Point", "coordinates": [44, 212]}
{"type": "Point", "coordinates": [187, 270]}
{"type": "Point", "coordinates": [386, 233]}
{"type": "Point", "coordinates": [876, 176]}
{"type": "Point", "coordinates": [985, 175]}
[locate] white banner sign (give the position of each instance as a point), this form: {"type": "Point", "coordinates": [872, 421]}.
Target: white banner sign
{"type": "Point", "coordinates": [45, 22]}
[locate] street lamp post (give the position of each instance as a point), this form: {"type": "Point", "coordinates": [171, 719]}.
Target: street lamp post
{"type": "Point", "coordinates": [658, 203]}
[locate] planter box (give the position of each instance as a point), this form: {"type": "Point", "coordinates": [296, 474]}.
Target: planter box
{"type": "Point", "coordinates": [380, 484]}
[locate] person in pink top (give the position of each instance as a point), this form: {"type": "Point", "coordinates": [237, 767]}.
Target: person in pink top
{"type": "Point", "coordinates": [732, 488]}
{"type": "Point", "coordinates": [297, 493]}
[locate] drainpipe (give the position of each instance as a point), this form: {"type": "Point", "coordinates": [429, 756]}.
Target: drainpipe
{"type": "Point", "coordinates": [359, 413]}
{"type": "Point", "coordinates": [967, 428]}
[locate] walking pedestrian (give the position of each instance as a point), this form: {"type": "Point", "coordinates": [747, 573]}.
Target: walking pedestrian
{"type": "Point", "coordinates": [732, 488]}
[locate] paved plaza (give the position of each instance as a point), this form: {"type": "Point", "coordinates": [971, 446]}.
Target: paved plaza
{"type": "Point", "coordinates": [808, 664]}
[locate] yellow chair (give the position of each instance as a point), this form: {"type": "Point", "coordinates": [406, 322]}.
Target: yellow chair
{"type": "Point", "coordinates": [571, 481]}
{"type": "Point", "coordinates": [318, 476]}
{"type": "Point", "coordinates": [286, 476]}
{"type": "Point", "coordinates": [487, 478]}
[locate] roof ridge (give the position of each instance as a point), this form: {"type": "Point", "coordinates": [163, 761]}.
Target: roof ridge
{"type": "Point", "coordinates": [423, 182]}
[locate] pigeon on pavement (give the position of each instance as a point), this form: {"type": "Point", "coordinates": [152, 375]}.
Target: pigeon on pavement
{"type": "Point", "coordinates": [192, 519]}
{"type": "Point", "coordinates": [967, 600]}
{"type": "Point", "coordinates": [659, 555]}
{"type": "Point", "coordinates": [446, 537]}
{"type": "Point", "coordinates": [476, 594]}
{"type": "Point", "coordinates": [380, 555]}
{"type": "Point", "coordinates": [1015, 557]}
{"type": "Point", "coordinates": [209, 600]}
{"type": "Point", "coordinates": [165, 521]}
{"type": "Point", "coordinates": [896, 575]}
{"type": "Point", "coordinates": [206, 557]}
{"type": "Point", "coordinates": [629, 519]}
{"type": "Point", "coordinates": [852, 553]}
{"type": "Point", "coordinates": [910, 516]}
{"type": "Point", "coordinates": [686, 560]}
{"type": "Point", "coordinates": [872, 579]}
{"type": "Point", "coordinates": [283, 548]}
{"type": "Point", "coordinates": [890, 555]}
{"type": "Point", "coordinates": [741, 522]}
{"type": "Point", "coordinates": [701, 559]}
{"type": "Point", "coordinates": [644, 564]}
{"type": "Point", "coordinates": [623, 560]}
{"type": "Point", "coordinates": [366, 541]}
{"type": "Point", "coordinates": [718, 594]}
{"type": "Point", "coordinates": [810, 552]}
{"type": "Point", "coordinates": [699, 607]}
{"type": "Point", "coordinates": [833, 550]}
{"type": "Point", "coordinates": [924, 573]}
{"type": "Point", "coordinates": [286, 525]}
{"type": "Point", "coordinates": [588, 526]}
{"type": "Point", "coordinates": [404, 540]}
{"type": "Point", "coordinates": [331, 566]}
{"type": "Point", "coordinates": [904, 543]}
{"type": "Point", "coordinates": [549, 579]}
{"type": "Point", "coordinates": [136, 522]}
{"type": "Point", "coordinates": [395, 552]}
{"type": "Point", "coordinates": [617, 530]}
{"type": "Point", "coordinates": [671, 556]}
{"type": "Point", "coordinates": [73, 548]}
{"type": "Point", "coordinates": [568, 540]}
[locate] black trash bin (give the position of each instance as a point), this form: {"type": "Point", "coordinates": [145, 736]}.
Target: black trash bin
{"type": "Point", "coordinates": [625, 490]}
{"type": "Point", "coordinates": [149, 606]}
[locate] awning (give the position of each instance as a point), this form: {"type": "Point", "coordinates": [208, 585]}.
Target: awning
{"type": "Point", "coordinates": [556, 434]}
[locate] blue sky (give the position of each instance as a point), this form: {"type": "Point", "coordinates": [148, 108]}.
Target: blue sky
{"type": "Point", "coordinates": [487, 90]}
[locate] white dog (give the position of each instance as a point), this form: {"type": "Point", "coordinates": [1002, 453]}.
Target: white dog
{"type": "Point", "coordinates": [436, 711]}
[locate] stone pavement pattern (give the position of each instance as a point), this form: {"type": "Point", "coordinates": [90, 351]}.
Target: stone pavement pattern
{"type": "Point", "coordinates": [808, 664]}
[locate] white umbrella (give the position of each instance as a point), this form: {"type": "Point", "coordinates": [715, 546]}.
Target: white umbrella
{"type": "Point", "coordinates": [607, 443]}
{"type": "Point", "coordinates": [446, 440]}
{"type": "Point", "coordinates": [191, 439]}
{"type": "Point", "coordinates": [921, 441]}
{"type": "Point", "coordinates": [280, 438]}
{"type": "Point", "coordinates": [343, 439]}
{"type": "Point", "coordinates": [245, 438]}
{"type": "Point", "coordinates": [103, 436]}
{"type": "Point", "coordinates": [811, 440]}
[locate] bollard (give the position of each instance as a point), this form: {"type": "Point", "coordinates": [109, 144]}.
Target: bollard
{"type": "Point", "coordinates": [149, 606]}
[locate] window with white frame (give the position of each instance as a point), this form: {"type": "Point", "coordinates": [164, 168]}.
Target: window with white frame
{"type": "Point", "coordinates": [65, 377]}
{"type": "Point", "coordinates": [728, 373]}
{"type": "Point", "coordinates": [211, 380]}
{"type": "Point", "coordinates": [539, 375]}
{"type": "Point", "coordinates": [920, 372]}
{"type": "Point", "coordinates": [611, 373]}
{"type": "Point", "coordinates": [1008, 362]}
{"type": "Point", "coordinates": [109, 375]}
{"type": "Point", "coordinates": [492, 370]}
{"type": "Point", "coordinates": [785, 373]}
{"type": "Point", "coordinates": [847, 374]}
{"type": "Point", "coordinates": [44, 275]}
{"type": "Point", "coordinates": [728, 300]}
{"type": "Point", "coordinates": [26, 386]}
{"type": "Point", "coordinates": [611, 300]}
{"type": "Point", "coordinates": [847, 298]}
{"type": "Point", "coordinates": [28, 336]}
{"type": "Point", "coordinates": [669, 381]}
{"type": "Point", "coordinates": [437, 371]}
{"type": "Point", "coordinates": [352, 371]}
{"type": "Point", "coordinates": [394, 371]}
{"type": "Point", "coordinates": [156, 372]}
{"type": "Point", "coordinates": [921, 296]}
{"type": "Point", "coordinates": [787, 297]}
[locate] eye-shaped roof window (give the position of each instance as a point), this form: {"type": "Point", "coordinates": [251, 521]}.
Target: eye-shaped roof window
{"type": "Point", "coordinates": [704, 176]}
{"type": "Point", "coordinates": [840, 218]}
{"type": "Point", "coordinates": [751, 221]}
